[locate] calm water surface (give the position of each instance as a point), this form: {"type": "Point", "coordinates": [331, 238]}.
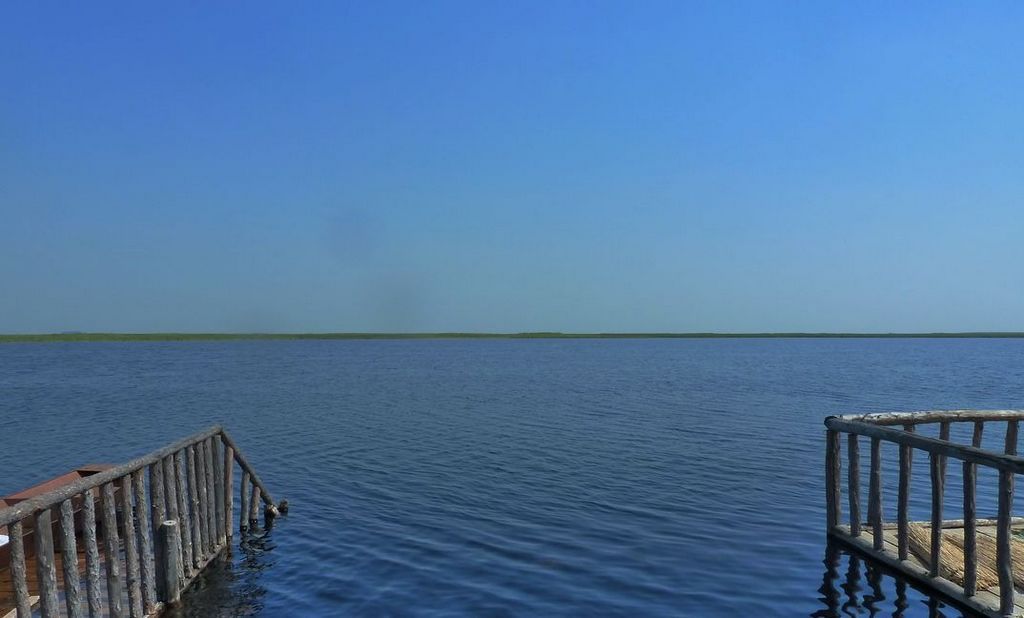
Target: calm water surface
{"type": "Point", "coordinates": [512, 477]}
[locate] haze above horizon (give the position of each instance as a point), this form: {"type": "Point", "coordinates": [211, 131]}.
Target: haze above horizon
{"type": "Point", "coordinates": [580, 167]}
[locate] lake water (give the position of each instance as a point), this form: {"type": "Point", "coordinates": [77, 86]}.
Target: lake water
{"type": "Point", "coordinates": [512, 477]}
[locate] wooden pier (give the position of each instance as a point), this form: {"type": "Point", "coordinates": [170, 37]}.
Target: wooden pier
{"type": "Point", "coordinates": [128, 540]}
{"type": "Point", "coordinates": [977, 563]}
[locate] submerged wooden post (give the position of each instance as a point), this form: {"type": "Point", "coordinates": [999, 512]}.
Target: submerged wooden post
{"type": "Point", "coordinates": [970, 473]}
{"type": "Point", "coordinates": [168, 539]}
{"type": "Point", "coordinates": [111, 548]}
{"type": "Point", "coordinates": [937, 478]}
{"type": "Point", "coordinates": [875, 494]}
{"type": "Point", "coordinates": [1004, 565]}
{"type": "Point", "coordinates": [853, 480]}
{"type": "Point", "coordinates": [69, 560]}
{"type": "Point", "coordinates": [94, 593]}
{"type": "Point", "coordinates": [254, 506]}
{"type": "Point", "coordinates": [243, 518]}
{"type": "Point", "coordinates": [903, 506]}
{"type": "Point", "coordinates": [20, 579]}
{"type": "Point", "coordinates": [45, 569]}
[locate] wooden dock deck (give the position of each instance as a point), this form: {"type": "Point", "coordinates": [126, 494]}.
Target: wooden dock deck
{"type": "Point", "coordinates": [163, 518]}
{"type": "Point", "coordinates": [976, 563]}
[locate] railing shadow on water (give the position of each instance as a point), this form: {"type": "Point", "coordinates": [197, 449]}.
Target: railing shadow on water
{"type": "Point", "coordinates": [854, 586]}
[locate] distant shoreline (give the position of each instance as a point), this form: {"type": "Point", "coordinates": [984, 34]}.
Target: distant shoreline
{"type": "Point", "coordinates": [117, 337]}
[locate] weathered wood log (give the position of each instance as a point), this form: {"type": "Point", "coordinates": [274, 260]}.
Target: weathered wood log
{"type": "Point", "coordinates": [875, 515]}
{"type": "Point", "coordinates": [184, 518]}
{"type": "Point", "coordinates": [171, 505]}
{"type": "Point", "coordinates": [146, 566]}
{"type": "Point", "coordinates": [903, 506]}
{"type": "Point", "coordinates": [218, 486]}
{"type": "Point", "coordinates": [931, 416]}
{"type": "Point", "coordinates": [69, 560]}
{"type": "Point", "coordinates": [157, 515]}
{"type": "Point", "coordinates": [204, 512]}
{"type": "Point", "coordinates": [254, 501]}
{"type": "Point", "coordinates": [229, 492]}
{"type": "Point", "coordinates": [27, 508]}
{"type": "Point", "coordinates": [193, 496]}
{"type": "Point", "coordinates": [853, 483]}
{"type": "Point", "coordinates": [172, 583]}
{"type": "Point", "coordinates": [988, 459]}
{"type": "Point", "coordinates": [18, 574]}
{"type": "Point", "coordinates": [1004, 566]}
{"type": "Point", "coordinates": [211, 497]}
{"type": "Point", "coordinates": [935, 461]}
{"type": "Point", "coordinates": [131, 554]}
{"type": "Point", "coordinates": [111, 548]}
{"type": "Point", "coordinates": [970, 474]}
{"type": "Point", "coordinates": [243, 519]}
{"type": "Point", "coordinates": [45, 569]}
{"type": "Point", "coordinates": [94, 593]}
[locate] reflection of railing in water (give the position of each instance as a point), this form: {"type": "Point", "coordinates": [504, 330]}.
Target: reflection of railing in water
{"type": "Point", "coordinates": [859, 590]}
{"type": "Point", "coordinates": [932, 570]}
{"type": "Point", "coordinates": [161, 519]}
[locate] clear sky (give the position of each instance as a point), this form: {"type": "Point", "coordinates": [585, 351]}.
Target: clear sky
{"type": "Point", "coordinates": [510, 166]}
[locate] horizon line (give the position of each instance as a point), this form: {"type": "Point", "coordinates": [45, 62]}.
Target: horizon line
{"type": "Point", "coordinates": [74, 336]}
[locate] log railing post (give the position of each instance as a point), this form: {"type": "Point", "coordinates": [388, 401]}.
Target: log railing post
{"type": "Point", "coordinates": [193, 497]}
{"type": "Point", "coordinates": [970, 474]}
{"type": "Point", "coordinates": [875, 494]}
{"type": "Point", "coordinates": [204, 504]}
{"type": "Point", "coordinates": [937, 478]}
{"type": "Point", "coordinates": [146, 565]}
{"type": "Point", "coordinates": [254, 505]}
{"type": "Point", "coordinates": [94, 593]}
{"type": "Point", "coordinates": [229, 492]}
{"type": "Point", "coordinates": [47, 573]}
{"type": "Point", "coordinates": [903, 506]}
{"type": "Point", "coordinates": [20, 578]}
{"type": "Point", "coordinates": [211, 499]}
{"type": "Point", "coordinates": [853, 481]}
{"type": "Point", "coordinates": [169, 569]}
{"type": "Point", "coordinates": [243, 518]}
{"type": "Point", "coordinates": [1004, 564]}
{"type": "Point", "coordinates": [111, 549]}
{"type": "Point", "coordinates": [69, 560]}
{"type": "Point", "coordinates": [157, 515]}
{"type": "Point", "coordinates": [131, 554]}
{"type": "Point", "coordinates": [218, 486]}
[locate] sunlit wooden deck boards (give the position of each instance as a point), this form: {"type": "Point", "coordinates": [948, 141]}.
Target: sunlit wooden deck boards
{"type": "Point", "coordinates": [985, 601]}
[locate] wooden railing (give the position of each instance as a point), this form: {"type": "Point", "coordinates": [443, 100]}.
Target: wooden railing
{"type": "Point", "coordinates": [901, 429]}
{"type": "Point", "coordinates": [170, 512]}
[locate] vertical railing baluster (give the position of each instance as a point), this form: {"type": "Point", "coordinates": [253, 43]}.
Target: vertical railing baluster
{"type": "Point", "coordinates": [937, 478]}
{"type": "Point", "coordinates": [167, 537]}
{"type": "Point", "coordinates": [229, 492]}
{"type": "Point", "coordinates": [254, 505]}
{"type": "Point", "coordinates": [45, 569]}
{"type": "Point", "coordinates": [211, 499]}
{"type": "Point", "coordinates": [875, 494]}
{"type": "Point", "coordinates": [69, 560]}
{"type": "Point", "coordinates": [218, 486]}
{"type": "Point", "coordinates": [111, 549]}
{"type": "Point", "coordinates": [833, 476]}
{"type": "Point", "coordinates": [19, 577]}
{"type": "Point", "coordinates": [243, 500]}
{"type": "Point", "coordinates": [145, 540]}
{"type": "Point", "coordinates": [970, 473]}
{"type": "Point", "coordinates": [193, 497]}
{"type": "Point", "coordinates": [171, 507]}
{"type": "Point", "coordinates": [1004, 565]}
{"type": "Point", "coordinates": [94, 590]}
{"type": "Point", "coordinates": [185, 527]}
{"type": "Point", "coordinates": [204, 513]}
{"type": "Point", "coordinates": [158, 514]}
{"type": "Point", "coordinates": [903, 506]}
{"type": "Point", "coordinates": [853, 481]}
{"type": "Point", "coordinates": [131, 552]}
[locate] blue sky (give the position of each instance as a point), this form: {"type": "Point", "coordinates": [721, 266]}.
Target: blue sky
{"type": "Point", "coordinates": [512, 166]}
